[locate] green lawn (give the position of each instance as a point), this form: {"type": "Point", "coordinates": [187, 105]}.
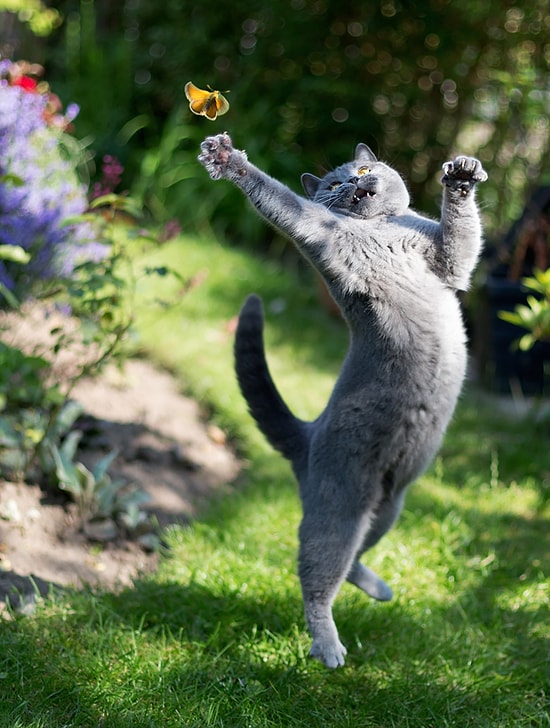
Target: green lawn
{"type": "Point", "coordinates": [217, 638]}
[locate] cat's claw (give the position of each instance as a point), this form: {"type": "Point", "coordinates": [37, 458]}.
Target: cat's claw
{"type": "Point", "coordinates": [463, 173]}
{"type": "Point", "coordinates": [219, 157]}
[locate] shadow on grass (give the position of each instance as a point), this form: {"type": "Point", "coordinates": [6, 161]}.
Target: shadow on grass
{"type": "Point", "coordinates": [160, 654]}
{"type": "Point", "coordinates": [206, 654]}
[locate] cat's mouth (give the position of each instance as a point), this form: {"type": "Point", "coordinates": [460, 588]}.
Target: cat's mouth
{"type": "Point", "coordinates": [360, 193]}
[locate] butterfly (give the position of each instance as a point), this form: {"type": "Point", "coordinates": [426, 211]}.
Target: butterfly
{"type": "Point", "coordinates": [206, 103]}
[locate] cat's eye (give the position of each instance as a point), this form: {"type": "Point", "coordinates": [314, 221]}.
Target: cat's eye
{"type": "Point", "coordinates": [363, 170]}
{"type": "Point", "coordinates": [334, 185]}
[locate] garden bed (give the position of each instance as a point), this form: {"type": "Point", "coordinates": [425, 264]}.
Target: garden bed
{"type": "Point", "coordinates": [166, 448]}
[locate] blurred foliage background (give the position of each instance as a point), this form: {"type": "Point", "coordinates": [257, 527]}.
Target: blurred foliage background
{"type": "Point", "coordinates": [308, 79]}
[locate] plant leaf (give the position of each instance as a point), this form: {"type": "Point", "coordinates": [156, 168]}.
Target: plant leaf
{"type": "Point", "coordinates": [102, 466]}
{"type": "Point", "coordinates": [14, 253]}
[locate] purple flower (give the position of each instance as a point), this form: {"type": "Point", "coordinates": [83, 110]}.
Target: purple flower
{"type": "Point", "coordinates": [72, 112]}
{"type": "Point", "coordinates": [111, 172]}
{"type": "Point", "coordinates": [39, 189]}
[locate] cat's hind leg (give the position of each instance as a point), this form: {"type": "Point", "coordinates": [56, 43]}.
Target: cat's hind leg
{"type": "Point", "coordinates": [359, 574]}
{"type": "Point", "coordinates": [329, 540]}
{"type": "Point", "coordinates": [369, 581]}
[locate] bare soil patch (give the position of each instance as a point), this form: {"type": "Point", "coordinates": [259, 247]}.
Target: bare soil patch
{"type": "Point", "coordinates": [165, 447]}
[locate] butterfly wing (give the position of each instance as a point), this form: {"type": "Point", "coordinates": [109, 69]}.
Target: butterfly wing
{"type": "Point", "coordinates": [198, 99]}
{"type": "Point", "coordinates": [199, 107]}
{"type": "Point", "coordinates": [222, 104]}
{"type": "Point", "coordinates": [211, 107]}
{"type": "Point", "coordinates": [194, 93]}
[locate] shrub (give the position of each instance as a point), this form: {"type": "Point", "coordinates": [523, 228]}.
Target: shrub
{"type": "Point", "coordinates": [535, 314]}
{"type": "Point", "coordinates": [72, 255]}
{"type": "Point", "coordinates": [309, 80]}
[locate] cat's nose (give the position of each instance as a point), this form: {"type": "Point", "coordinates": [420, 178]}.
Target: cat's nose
{"type": "Point", "coordinates": [353, 180]}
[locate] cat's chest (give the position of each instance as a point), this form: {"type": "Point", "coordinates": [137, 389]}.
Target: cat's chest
{"type": "Point", "coordinates": [401, 302]}
{"type": "Point", "coordinates": [381, 241]}
{"type": "Point", "coordinates": [378, 259]}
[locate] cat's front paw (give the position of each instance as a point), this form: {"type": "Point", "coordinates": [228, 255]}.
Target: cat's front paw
{"type": "Point", "coordinates": [219, 158]}
{"type": "Point", "coordinates": [462, 174]}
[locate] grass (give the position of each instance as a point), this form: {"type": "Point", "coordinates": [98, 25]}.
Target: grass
{"type": "Point", "coordinates": [217, 637]}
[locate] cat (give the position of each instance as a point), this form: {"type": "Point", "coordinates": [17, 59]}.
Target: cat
{"type": "Point", "coordinates": [395, 276]}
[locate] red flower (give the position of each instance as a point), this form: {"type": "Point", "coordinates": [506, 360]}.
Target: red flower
{"type": "Point", "coordinates": [26, 82]}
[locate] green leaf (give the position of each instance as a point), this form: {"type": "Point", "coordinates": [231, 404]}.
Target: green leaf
{"type": "Point", "coordinates": [117, 202]}
{"type": "Point", "coordinates": [9, 296]}
{"type": "Point", "coordinates": [535, 304]}
{"type": "Point", "coordinates": [79, 219]}
{"type": "Point", "coordinates": [102, 466]}
{"type": "Point", "coordinates": [67, 416]}
{"type": "Point", "coordinates": [510, 317]}
{"type": "Point", "coordinates": [526, 342]}
{"type": "Point", "coordinates": [12, 179]}
{"type": "Point", "coordinates": [14, 253]}
{"type": "Point", "coordinates": [65, 469]}
{"type": "Point", "coordinates": [87, 483]}
{"type": "Point", "coordinates": [105, 498]}
{"type": "Point", "coordinates": [132, 127]}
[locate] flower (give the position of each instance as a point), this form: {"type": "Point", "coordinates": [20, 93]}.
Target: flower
{"type": "Point", "coordinates": [26, 82]}
{"type": "Point", "coordinates": [21, 74]}
{"type": "Point", "coordinates": [111, 177]}
{"type": "Point", "coordinates": [39, 185]}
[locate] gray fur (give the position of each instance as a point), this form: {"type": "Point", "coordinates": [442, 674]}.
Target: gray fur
{"type": "Point", "coordinates": [394, 275]}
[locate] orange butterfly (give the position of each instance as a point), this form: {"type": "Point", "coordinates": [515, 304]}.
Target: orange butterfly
{"type": "Point", "coordinates": [206, 103]}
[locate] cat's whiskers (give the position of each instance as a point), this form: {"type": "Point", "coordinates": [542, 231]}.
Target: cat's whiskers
{"type": "Point", "coordinates": [328, 199]}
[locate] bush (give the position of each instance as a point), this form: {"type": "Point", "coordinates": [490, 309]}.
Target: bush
{"type": "Point", "coordinates": [535, 314]}
{"type": "Point", "coordinates": [308, 81]}
{"type": "Point", "coordinates": [68, 258]}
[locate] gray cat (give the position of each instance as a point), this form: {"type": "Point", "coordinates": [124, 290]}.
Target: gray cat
{"type": "Point", "coordinates": [395, 276]}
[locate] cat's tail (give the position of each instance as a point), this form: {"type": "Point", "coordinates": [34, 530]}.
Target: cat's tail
{"type": "Point", "coordinates": [284, 431]}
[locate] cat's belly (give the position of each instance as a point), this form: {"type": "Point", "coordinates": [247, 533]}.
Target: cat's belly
{"type": "Point", "coordinates": [394, 398]}
{"type": "Point", "coordinates": [385, 429]}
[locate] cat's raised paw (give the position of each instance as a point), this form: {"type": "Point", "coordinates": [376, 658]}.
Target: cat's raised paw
{"type": "Point", "coordinates": [215, 154]}
{"type": "Point", "coordinates": [463, 173]}
{"type": "Point", "coordinates": [219, 157]}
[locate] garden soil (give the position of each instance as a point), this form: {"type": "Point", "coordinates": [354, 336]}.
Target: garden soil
{"type": "Point", "coordinates": [165, 447]}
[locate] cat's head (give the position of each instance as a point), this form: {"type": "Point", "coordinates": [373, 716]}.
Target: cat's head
{"type": "Point", "coordinates": [363, 188]}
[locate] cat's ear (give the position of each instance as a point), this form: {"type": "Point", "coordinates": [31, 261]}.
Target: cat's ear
{"type": "Point", "coordinates": [364, 154]}
{"type": "Point", "coordinates": [310, 183]}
